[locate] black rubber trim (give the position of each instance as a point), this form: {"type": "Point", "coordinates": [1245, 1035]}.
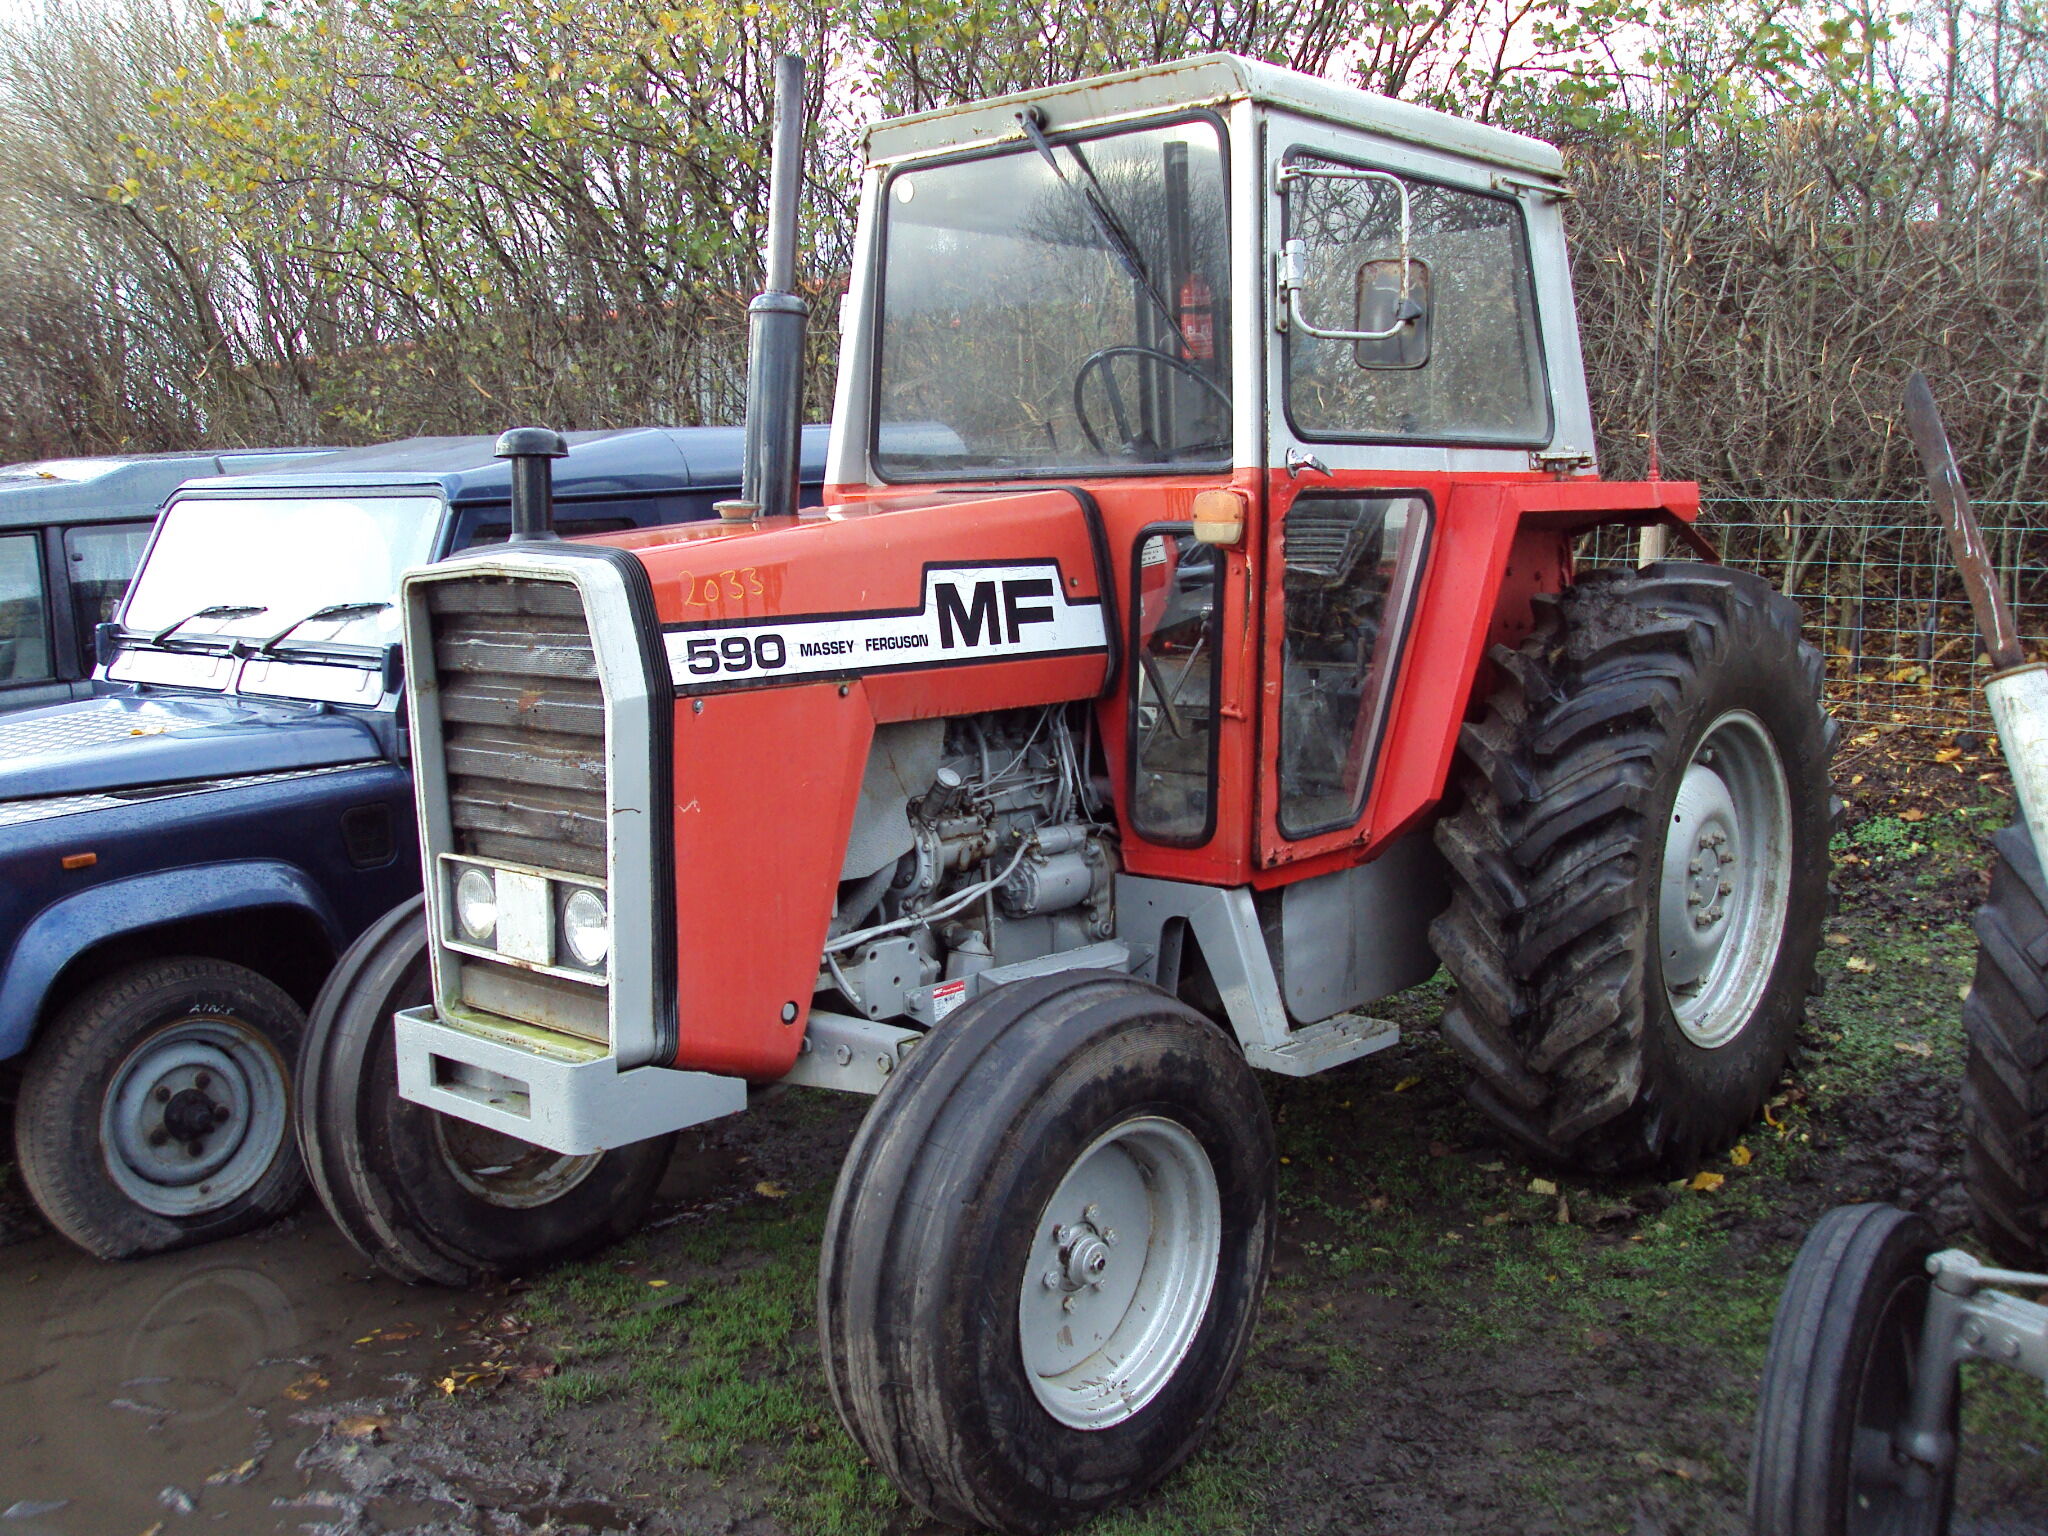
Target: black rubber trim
{"type": "Point", "coordinates": [661, 732]}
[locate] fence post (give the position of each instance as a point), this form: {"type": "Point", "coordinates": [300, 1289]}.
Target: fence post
{"type": "Point", "coordinates": [1650, 542]}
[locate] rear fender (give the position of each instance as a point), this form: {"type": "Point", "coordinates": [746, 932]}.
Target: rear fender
{"type": "Point", "coordinates": [123, 908]}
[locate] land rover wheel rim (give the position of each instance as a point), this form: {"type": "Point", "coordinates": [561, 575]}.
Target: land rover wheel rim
{"type": "Point", "coordinates": [1726, 875]}
{"type": "Point", "coordinates": [504, 1171]}
{"type": "Point", "coordinates": [194, 1116]}
{"type": "Point", "coordinates": [1120, 1273]}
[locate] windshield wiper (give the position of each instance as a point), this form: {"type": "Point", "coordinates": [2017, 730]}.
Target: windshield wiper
{"type": "Point", "coordinates": [1096, 201]}
{"type": "Point", "coordinates": [331, 611]}
{"type": "Point", "coordinates": [217, 611]}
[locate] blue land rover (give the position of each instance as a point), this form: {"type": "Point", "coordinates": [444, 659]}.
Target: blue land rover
{"type": "Point", "coordinates": [71, 531]}
{"type": "Point", "coordinates": [184, 854]}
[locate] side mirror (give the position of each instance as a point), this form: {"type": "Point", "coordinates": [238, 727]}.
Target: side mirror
{"type": "Point", "coordinates": [1393, 307]}
{"type": "Point", "coordinates": [106, 643]}
{"type": "Point", "coordinates": [1294, 268]}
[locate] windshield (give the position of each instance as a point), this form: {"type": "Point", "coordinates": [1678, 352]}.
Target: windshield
{"type": "Point", "coordinates": [1057, 307]}
{"type": "Point", "coordinates": [251, 569]}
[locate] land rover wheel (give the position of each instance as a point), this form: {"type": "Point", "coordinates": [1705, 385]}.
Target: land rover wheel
{"type": "Point", "coordinates": [426, 1197]}
{"type": "Point", "coordinates": [1640, 867]}
{"type": "Point", "coordinates": [1046, 1252]}
{"type": "Point", "coordinates": [155, 1109]}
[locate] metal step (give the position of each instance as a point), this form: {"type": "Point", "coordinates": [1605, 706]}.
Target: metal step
{"type": "Point", "coordinates": [1320, 1047]}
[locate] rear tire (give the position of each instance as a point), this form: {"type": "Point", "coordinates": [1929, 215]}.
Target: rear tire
{"type": "Point", "coordinates": [1838, 1378]}
{"type": "Point", "coordinates": [1046, 1252]}
{"type": "Point", "coordinates": [2005, 1076]}
{"type": "Point", "coordinates": [424, 1196]}
{"type": "Point", "coordinates": [155, 1111]}
{"type": "Point", "coordinates": [1640, 867]}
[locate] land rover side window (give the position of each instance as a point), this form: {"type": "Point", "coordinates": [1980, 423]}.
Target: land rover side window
{"type": "Point", "coordinates": [1465, 364]}
{"type": "Point", "coordinates": [1176, 602]}
{"type": "Point", "coordinates": [24, 614]}
{"type": "Point", "coordinates": [99, 563]}
{"type": "Point", "coordinates": [1350, 564]}
{"type": "Point", "coordinates": [1057, 307]}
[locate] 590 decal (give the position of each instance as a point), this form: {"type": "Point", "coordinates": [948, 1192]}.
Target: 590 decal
{"type": "Point", "coordinates": [969, 614]}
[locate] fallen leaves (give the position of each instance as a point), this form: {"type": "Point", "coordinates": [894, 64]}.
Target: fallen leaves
{"type": "Point", "coordinates": [1858, 964]}
{"type": "Point", "coordinates": [1740, 1155]}
{"type": "Point", "coordinates": [363, 1426]}
{"type": "Point", "coordinates": [1838, 940]}
{"type": "Point", "coordinates": [1706, 1183]}
{"type": "Point", "coordinates": [230, 1477]}
{"type": "Point", "coordinates": [768, 1189]}
{"type": "Point", "coordinates": [1542, 1187]}
{"type": "Point", "coordinates": [1405, 1084]}
{"type": "Point", "coordinates": [1918, 1048]}
{"type": "Point", "coordinates": [306, 1386]}
{"type": "Point", "coordinates": [1912, 813]}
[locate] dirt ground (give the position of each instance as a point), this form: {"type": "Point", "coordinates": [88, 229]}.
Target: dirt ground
{"type": "Point", "coordinates": [1455, 1341]}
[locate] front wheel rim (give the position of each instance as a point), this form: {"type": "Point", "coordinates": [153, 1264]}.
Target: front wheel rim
{"type": "Point", "coordinates": [194, 1116]}
{"type": "Point", "coordinates": [1725, 880]}
{"type": "Point", "coordinates": [504, 1171]}
{"type": "Point", "coordinates": [1120, 1274]}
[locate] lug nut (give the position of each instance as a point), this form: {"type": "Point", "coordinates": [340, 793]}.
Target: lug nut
{"type": "Point", "coordinates": [1066, 1303]}
{"type": "Point", "coordinates": [158, 1137]}
{"type": "Point", "coordinates": [1726, 887]}
{"type": "Point", "coordinates": [194, 1147]}
{"type": "Point", "coordinates": [220, 1114]}
{"type": "Point", "coordinates": [1109, 1236]}
{"type": "Point", "coordinates": [1052, 1279]}
{"type": "Point", "coordinates": [1089, 1213]}
{"type": "Point", "coordinates": [202, 1081]}
{"type": "Point", "coordinates": [163, 1095]}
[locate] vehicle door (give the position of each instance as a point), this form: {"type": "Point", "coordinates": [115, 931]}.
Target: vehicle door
{"type": "Point", "coordinates": [1405, 348]}
{"type": "Point", "coordinates": [29, 673]}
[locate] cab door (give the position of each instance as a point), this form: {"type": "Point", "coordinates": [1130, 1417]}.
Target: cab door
{"type": "Point", "coordinates": [1404, 351]}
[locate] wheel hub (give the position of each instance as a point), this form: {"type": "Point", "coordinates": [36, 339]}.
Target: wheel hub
{"type": "Point", "coordinates": [194, 1116]}
{"type": "Point", "coordinates": [1725, 874]}
{"type": "Point", "coordinates": [1120, 1273]}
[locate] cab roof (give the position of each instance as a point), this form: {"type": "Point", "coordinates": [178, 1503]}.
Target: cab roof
{"type": "Point", "coordinates": [118, 487]}
{"type": "Point", "coordinates": [1212, 80]}
{"type": "Point", "coordinates": [629, 461]}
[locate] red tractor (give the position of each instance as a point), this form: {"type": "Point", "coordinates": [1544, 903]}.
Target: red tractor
{"type": "Point", "coordinates": [1189, 653]}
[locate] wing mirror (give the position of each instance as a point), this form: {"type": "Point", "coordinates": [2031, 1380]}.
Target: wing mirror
{"type": "Point", "coordinates": [1393, 295]}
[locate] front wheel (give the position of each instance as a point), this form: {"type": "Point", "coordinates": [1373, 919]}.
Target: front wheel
{"type": "Point", "coordinates": [1831, 1449]}
{"type": "Point", "coordinates": [1046, 1252]}
{"type": "Point", "coordinates": [155, 1112]}
{"type": "Point", "coordinates": [423, 1195]}
{"type": "Point", "coordinates": [2005, 1075]}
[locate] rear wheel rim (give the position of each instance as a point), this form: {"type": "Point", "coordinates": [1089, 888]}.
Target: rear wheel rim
{"type": "Point", "coordinates": [194, 1116]}
{"type": "Point", "coordinates": [1725, 880]}
{"type": "Point", "coordinates": [504, 1171]}
{"type": "Point", "coordinates": [1121, 1272]}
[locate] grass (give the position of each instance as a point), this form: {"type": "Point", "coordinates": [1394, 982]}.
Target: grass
{"type": "Point", "coordinates": [1392, 1192]}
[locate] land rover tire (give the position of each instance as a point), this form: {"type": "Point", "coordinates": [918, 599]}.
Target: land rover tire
{"type": "Point", "coordinates": [1640, 867]}
{"type": "Point", "coordinates": [1046, 1251]}
{"type": "Point", "coordinates": [2005, 1072]}
{"type": "Point", "coordinates": [428, 1198]}
{"type": "Point", "coordinates": [155, 1109]}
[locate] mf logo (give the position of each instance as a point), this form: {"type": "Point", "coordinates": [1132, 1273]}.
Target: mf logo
{"type": "Point", "coordinates": [981, 613]}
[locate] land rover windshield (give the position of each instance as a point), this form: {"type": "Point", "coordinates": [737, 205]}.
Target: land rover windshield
{"type": "Point", "coordinates": [1057, 307]}
{"type": "Point", "coordinates": [268, 580]}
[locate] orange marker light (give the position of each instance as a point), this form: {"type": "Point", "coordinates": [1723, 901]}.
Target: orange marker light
{"type": "Point", "coordinates": [80, 860]}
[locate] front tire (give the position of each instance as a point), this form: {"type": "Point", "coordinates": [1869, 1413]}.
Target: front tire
{"type": "Point", "coordinates": [155, 1112]}
{"type": "Point", "coordinates": [2005, 1075]}
{"type": "Point", "coordinates": [1838, 1382]}
{"type": "Point", "coordinates": [426, 1197]}
{"type": "Point", "coordinates": [1046, 1252]}
{"type": "Point", "coordinates": [1640, 867]}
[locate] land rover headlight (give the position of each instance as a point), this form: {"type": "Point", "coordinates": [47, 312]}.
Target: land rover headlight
{"type": "Point", "coordinates": [476, 903]}
{"type": "Point", "coordinates": [586, 926]}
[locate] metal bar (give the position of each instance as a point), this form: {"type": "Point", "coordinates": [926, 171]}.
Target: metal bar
{"type": "Point", "coordinates": [1965, 538]}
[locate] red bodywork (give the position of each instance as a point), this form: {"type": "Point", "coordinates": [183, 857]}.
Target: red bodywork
{"type": "Point", "coordinates": [768, 777]}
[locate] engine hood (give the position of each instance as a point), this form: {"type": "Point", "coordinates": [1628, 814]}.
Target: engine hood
{"type": "Point", "coordinates": [123, 742]}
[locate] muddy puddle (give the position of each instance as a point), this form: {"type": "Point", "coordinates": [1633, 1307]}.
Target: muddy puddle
{"type": "Point", "coordinates": [186, 1389]}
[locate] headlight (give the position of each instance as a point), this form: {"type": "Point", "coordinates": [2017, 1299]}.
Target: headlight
{"type": "Point", "coordinates": [586, 926]}
{"type": "Point", "coordinates": [476, 903]}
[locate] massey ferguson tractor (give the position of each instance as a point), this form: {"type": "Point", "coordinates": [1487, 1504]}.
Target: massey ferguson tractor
{"type": "Point", "coordinates": [1189, 653]}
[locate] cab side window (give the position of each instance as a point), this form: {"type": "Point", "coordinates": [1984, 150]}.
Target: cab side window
{"type": "Point", "coordinates": [99, 563]}
{"type": "Point", "coordinates": [1177, 600]}
{"type": "Point", "coordinates": [24, 613]}
{"type": "Point", "coordinates": [1351, 562]}
{"type": "Point", "coordinates": [1465, 365]}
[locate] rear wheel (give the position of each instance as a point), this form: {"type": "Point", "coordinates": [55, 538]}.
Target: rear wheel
{"type": "Point", "coordinates": [1046, 1252]}
{"type": "Point", "coordinates": [425, 1196]}
{"type": "Point", "coordinates": [2005, 1078]}
{"type": "Point", "coordinates": [1838, 1382]}
{"type": "Point", "coordinates": [1640, 867]}
{"type": "Point", "coordinates": [155, 1111]}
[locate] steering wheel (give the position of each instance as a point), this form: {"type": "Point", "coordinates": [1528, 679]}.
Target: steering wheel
{"type": "Point", "coordinates": [1131, 441]}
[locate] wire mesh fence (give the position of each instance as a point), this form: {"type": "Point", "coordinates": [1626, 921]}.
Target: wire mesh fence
{"type": "Point", "coordinates": [1880, 595]}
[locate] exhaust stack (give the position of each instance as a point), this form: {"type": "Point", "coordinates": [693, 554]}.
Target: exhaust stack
{"type": "Point", "coordinates": [532, 452]}
{"type": "Point", "coordinates": [775, 324]}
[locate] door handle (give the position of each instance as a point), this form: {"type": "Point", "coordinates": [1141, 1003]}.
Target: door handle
{"type": "Point", "coordinates": [1299, 459]}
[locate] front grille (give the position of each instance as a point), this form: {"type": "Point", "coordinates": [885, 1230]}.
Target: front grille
{"type": "Point", "coordinates": [522, 722]}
